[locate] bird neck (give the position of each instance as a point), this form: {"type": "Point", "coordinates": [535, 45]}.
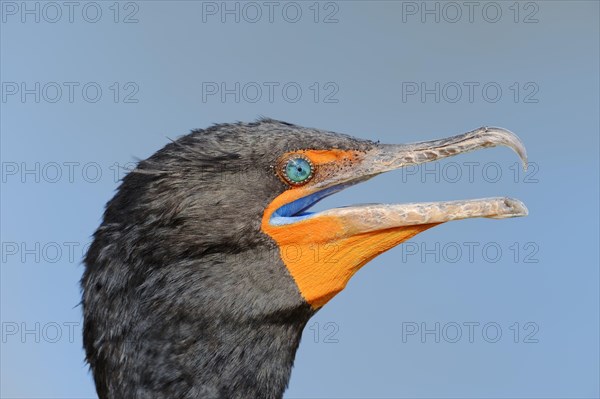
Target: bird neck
{"type": "Point", "coordinates": [227, 359]}
{"type": "Point", "coordinates": [252, 360]}
{"type": "Point", "coordinates": [219, 326]}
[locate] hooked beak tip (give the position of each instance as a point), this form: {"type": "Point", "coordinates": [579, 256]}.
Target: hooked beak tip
{"type": "Point", "coordinates": [501, 136]}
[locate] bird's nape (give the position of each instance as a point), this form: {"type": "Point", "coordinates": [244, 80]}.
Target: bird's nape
{"type": "Point", "coordinates": [190, 290]}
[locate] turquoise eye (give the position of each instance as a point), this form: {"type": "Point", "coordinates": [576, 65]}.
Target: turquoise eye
{"type": "Point", "coordinates": [298, 170]}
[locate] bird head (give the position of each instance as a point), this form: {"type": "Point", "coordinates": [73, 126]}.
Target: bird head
{"type": "Point", "coordinates": [210, 245]}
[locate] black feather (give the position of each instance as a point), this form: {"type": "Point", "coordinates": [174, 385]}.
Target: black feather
{"type": "Point", "coordinates": [183, 295]}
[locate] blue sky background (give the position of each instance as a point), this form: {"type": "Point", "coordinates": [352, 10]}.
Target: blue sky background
{"type": "Point", "coordinates": [534, 279]}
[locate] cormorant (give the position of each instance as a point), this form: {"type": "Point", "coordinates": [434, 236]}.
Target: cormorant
{"type": "Point", "coordinates": [203, 273]}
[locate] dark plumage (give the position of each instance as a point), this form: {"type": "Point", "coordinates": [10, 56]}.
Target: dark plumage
{"type": "Point", "coordinates": [183, 295]}
{"type": "Point", "coordinates": [187, 292]}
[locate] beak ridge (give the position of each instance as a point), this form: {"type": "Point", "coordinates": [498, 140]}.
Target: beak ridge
{"type": "Point", "coordinates": [388, 157]}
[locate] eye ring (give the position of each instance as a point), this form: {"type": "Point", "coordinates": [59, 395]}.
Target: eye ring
{"type": "Point", "coordinates": [296, 169]}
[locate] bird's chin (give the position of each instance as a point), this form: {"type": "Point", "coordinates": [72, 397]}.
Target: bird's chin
{"type": "Point", "coordinates": [323, 250]}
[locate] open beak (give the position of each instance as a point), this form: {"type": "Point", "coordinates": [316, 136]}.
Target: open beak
{"type": "Point", "coordinates": [353, 235]}
{"type": "Point", "coordinates": [389, 157]}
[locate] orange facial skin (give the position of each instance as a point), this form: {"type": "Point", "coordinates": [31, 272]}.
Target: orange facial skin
{"type": "Point", "coordinates": [322, 253]}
